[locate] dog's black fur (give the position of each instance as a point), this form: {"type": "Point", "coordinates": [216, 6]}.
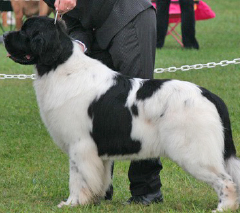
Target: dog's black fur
{"type": "Point", "coordinates": [44, 44]}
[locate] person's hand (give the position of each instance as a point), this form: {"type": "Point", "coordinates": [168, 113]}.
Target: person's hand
{"type": "Point", "coordinates": [63, 6]}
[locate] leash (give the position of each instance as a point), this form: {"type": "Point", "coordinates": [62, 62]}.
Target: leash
{"type": "Point", "coordinates": [55, 19]}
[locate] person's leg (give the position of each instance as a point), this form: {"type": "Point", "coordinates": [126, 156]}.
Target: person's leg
{"type": "Point", "coordinates": [133, 54]}
{"type": "Point", "coordinates": [4, 19]}
{"type": "Point", "coordinates": [188, 24]}
{"type": "Point", "coordinates": [145, 182]}
{"type": "Point", "coordinates": [162, 21]}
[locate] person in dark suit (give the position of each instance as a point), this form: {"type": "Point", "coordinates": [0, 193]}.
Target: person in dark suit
{"type": "Point", "coordinates": [187, 26]}
{"type": "Point", "coordinates": [121, 34]}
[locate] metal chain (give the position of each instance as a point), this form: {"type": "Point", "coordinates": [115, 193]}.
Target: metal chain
{"type": "Point", "coordinates": [197, 66]}
{"type": "Point", "coordinates": [157, 70]}
{"type": "Point", "coordinates": [20, 76]}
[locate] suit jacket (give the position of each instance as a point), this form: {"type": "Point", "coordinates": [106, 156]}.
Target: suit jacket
{"type": "Point", "coordinates": [101, 19]}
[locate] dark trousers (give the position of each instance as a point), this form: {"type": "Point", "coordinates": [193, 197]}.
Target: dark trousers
{"type": "Point", "coordinates": [187, 26]}
{"type": "Point", "coordinates": [144, 176]}
{"type": "Point", "coordinates": [132, 52]}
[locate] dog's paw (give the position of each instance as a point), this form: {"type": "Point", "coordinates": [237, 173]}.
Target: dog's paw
{"type": "Point", "coordinates": [218, 210]}
{"type": "Point", "coordinates": [61, 204]}
{"type": "Point", "coordinates": [69, 202]}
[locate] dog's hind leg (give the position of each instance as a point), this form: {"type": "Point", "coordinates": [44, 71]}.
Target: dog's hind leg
{"type": "Point", "coordinates": [227, 192]}
{"type": "Point", "coordinates": [233, 169]}
{"type": "Point", "coordinates": [217, 177]}
{"type": "Point", "coordinates": [86, 175]}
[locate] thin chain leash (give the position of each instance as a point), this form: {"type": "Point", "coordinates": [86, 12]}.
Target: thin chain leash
{"type": "Point", "coordinates": [157, 70]}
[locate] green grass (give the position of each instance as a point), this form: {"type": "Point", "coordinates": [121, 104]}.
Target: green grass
{"type": "Point", "coordinates": [34, 172]}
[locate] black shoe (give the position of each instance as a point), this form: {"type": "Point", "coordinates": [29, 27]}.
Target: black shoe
{"type": "Point", "coordinates": [146, 199]}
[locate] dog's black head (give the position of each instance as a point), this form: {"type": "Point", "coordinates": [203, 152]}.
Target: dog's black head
{"type": "Point", "coordinates": [39, 42]}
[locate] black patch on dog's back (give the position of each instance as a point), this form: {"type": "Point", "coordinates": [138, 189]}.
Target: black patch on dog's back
{"type": "Point", "coordinates": [112, 121]}
{"type": "Point", "coordinates": [149, 87]}
{"type": "Point", "coordinates": [224, 115]}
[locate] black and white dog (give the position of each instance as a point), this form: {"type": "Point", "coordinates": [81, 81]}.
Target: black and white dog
{"type": "Point", "coordinates": [97, 115]}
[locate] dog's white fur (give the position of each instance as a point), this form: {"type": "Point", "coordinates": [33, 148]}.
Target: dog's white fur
{"type": "Point", "coordinates": [190, 132]}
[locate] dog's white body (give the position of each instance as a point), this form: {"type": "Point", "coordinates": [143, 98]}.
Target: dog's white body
{"type": "Point", "coordinates": [65, 94]}
{"type": "Point", "coordinates": [69, 91]}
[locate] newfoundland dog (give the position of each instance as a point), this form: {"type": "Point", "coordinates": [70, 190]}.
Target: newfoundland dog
{"type": "Point", "coordinates": [96, 115]}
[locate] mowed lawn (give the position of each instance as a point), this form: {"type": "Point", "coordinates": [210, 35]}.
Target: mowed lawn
{"type": "Point", "coordinates": [34, 172]}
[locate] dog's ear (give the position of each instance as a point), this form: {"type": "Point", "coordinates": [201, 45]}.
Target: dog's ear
{"type": "Point", "coordinates": [37, 44]}
{"type": "Point", "coordinates": [46, 46]}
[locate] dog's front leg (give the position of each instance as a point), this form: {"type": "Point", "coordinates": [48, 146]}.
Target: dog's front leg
{"type": "Point", "coordinates": [107, 179]}
{"type": "Point", "coordinates": [86, 174]}
{"type": "Point", "coordinates": [75, 184]}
